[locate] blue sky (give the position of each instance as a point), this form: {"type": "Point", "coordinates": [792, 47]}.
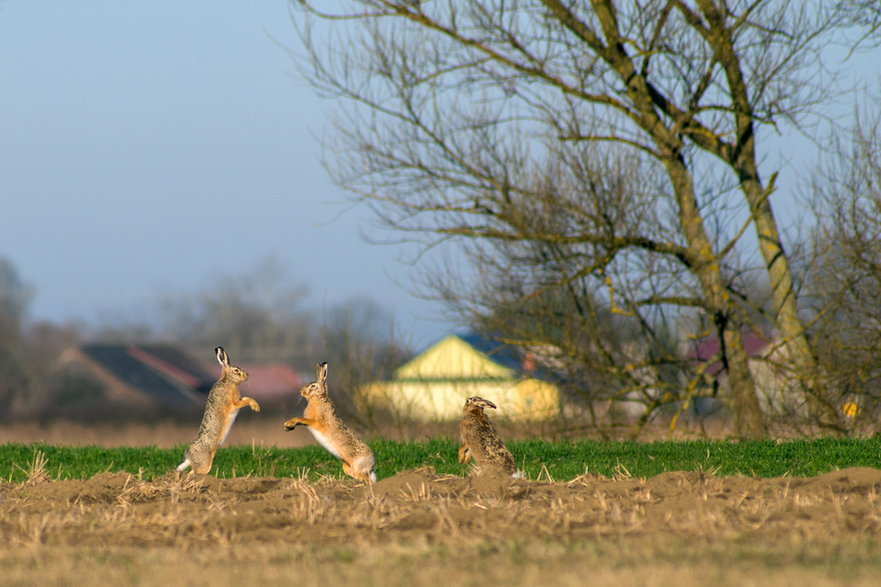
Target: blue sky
{"type": "Point", "coordinates": [148, 148]}
{"type": "Point", "coordinates": [152, 147]}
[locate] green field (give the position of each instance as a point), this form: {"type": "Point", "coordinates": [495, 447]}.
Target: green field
{"type": "Point", "coordinates": [560, 461]}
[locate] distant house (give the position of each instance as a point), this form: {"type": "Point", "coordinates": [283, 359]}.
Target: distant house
{"type": "Point", "coordinates": [767, 363]}
{"type": "Point", "coordinates": [272, 383]}
{"type": "Point", "coordinates": [704, 349]}
{"type": "Point", "coordinates": [162, 376]}
{"type": "Point", "coordinates": [434, 384]}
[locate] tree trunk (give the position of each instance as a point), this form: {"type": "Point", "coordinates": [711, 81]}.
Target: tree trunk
{"type": "Point", "coordinates": [785, 310]}
{"type": "Point", "coordinates": [704, 263]}
{"type": "Point", "coordinates": [748, 419]}
{"type": "Point", "coordinates": [742, 159]}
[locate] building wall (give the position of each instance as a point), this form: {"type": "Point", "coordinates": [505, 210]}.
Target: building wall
{"type": "Point", "coordinates": [426, 401]}
{"type": "Point", "coordinates": [434, 385]}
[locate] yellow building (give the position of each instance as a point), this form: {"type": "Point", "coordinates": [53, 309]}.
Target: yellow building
{"type": "Point", "coordinates": [434, 384]}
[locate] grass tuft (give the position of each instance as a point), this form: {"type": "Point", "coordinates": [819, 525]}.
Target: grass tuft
{"type": "Point", "coordinates": [560, 461]}
{"type": "Point", "coordinates": [36, 471]}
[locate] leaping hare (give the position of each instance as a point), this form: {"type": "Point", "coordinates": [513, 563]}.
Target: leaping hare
{"type": "Point", "coordinates": [322, 420]}
{"type": "Point", "coordinates": [480, 440]}
{"type": "Point", "coordinates": [221, 409]}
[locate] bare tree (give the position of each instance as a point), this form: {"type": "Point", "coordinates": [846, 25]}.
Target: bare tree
{"type": "Point", "coordinates": [266, 319]}
{"type": "Point", "coordinates": [42, 345]}
{"type": "Point", "coordinates": [15, 296]}
{"type": "Point", "coordinates": [842, 282]}
{"type": "Point", "coordinates": [475, 120]}
{"type": "Point", "coordinates": [582, 309]}
{"type": "Point", "coordinates": [865, 16]}
{"type": "Point", "coordinates": [258, 313]}
{"type": "Point", "coordinates": [359, 340]}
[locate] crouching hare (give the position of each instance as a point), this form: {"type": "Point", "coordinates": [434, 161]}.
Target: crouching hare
{"type": "Point", "coordinates": [480, 440]}
{"type": "Point", "coordinates": [221, 409]}
{"type": "Point", "coordinates": [322, 420]}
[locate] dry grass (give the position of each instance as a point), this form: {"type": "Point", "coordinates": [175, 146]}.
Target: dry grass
{"type": "Point", "coordinates": [36, 469]}
{"type": "Point", "coordinates": [635, 562]}
{"type": "Point", "coordinates": [419, 528]}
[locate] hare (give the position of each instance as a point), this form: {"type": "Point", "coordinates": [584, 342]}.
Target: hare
{"type": "Point", "coordinates": [480, 440]}
{"type": "Point", "coordinates": [221, 409]}
{"type": "Point", "coordinates": [322, 420]}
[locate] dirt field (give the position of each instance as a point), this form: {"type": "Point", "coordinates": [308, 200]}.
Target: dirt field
{"type": "Point", "coordinates": [418, 528]}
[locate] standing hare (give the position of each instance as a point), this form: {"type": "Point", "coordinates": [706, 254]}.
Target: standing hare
{"type": "Point", "coordinates": [480, 440]}
{"type": "Point", "coordinates": [221, 409]}
{"type": "Point", "coordinates": [322, 420]}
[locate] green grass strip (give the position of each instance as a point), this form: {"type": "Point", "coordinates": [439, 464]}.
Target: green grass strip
{"type": "Point", "coordinates": [560, 461]}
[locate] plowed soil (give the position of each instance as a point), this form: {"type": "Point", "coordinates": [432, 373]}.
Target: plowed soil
{"type": "Point", "coordinates": [420, 528]}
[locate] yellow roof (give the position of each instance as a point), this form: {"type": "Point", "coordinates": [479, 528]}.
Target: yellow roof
{"type": "Point", "coordinates": [452, 358]}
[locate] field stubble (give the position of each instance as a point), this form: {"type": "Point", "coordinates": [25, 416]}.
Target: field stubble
{"type": "Point", "coordinates": [419, 528]}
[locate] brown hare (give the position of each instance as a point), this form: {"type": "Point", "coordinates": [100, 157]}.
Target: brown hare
{"type": "Point", "coordinates": [480, 440]}
{"type": "Point", "coordinates": [322, 420]}
{"type": "Point", "coordinates": [221, 409]}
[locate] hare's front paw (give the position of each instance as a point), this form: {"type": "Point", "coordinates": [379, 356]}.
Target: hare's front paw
{"type": "Point", "coordinates": [255, 406]}
{"type": "Point", "coordinates": [290, 424]}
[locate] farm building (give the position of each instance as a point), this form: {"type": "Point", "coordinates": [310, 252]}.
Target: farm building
{"type": "Point", "coordinates": [150, 377]}
{"type": "Point", "coordinates": [767, 363]}
{"type": "Point", "coordinates": [434, 384]}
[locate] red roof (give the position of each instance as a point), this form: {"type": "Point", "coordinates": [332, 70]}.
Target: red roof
{"type": "Point", "coordinates": [703, 350]}
{"type": "Point", "coordinates": [271, 381]}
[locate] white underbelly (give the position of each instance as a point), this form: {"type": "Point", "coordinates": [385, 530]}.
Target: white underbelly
{"type": "Point", "coordinates": [325, 442]}
{"type": "Point", "coordinates": [228, 427]}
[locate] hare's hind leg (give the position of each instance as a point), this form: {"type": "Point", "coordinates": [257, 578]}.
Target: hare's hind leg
{"type": "Point", "coordinates": [200, 468]}
{"type": "Point", "coordinates": [367, 474]}
{"type": "Point", "coordinates": [355, 473]}
{"type": "Point", "coordinates": [366, 477]}
{"type": "Point", "coordinates": [203, 468]}
{"type": "Point", "coordinates": [200, 459]}
{"type": "Point", "coordinates": [361, 469]}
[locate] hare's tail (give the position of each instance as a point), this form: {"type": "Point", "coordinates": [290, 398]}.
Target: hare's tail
{"type": "Point", "coordinates": [184, 465]}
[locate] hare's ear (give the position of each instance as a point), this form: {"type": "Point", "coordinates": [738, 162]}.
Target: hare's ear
{"type": "Point", "coordinates": [321, 372]}
{"type": "Point", "coordinates": [222, 357]}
